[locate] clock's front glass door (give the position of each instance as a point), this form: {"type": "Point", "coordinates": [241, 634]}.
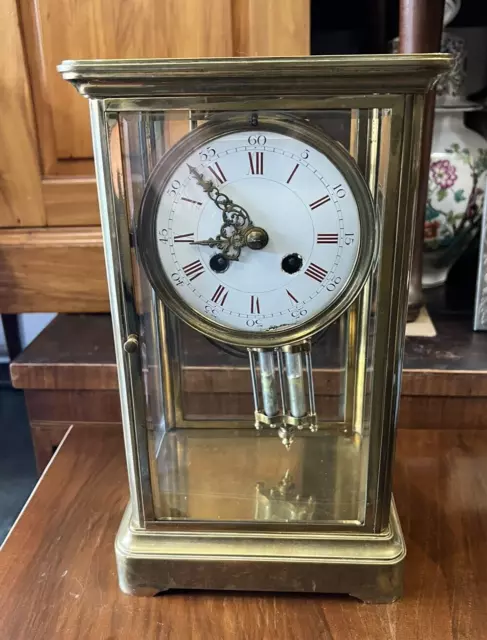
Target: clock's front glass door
{"type": "Point", "coordinates": [209, 462]}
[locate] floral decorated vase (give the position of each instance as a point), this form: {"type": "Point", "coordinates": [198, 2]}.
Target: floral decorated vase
{"type": "Point", "coordinates": [456, 185]}
{"type": "Point", "coordinates": [457, 173]}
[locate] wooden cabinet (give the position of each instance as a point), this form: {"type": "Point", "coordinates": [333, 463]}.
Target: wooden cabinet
{"type": "Point", "coordinates": [50, 241]}
{"type": "Point", "coordinates": [20, 184]}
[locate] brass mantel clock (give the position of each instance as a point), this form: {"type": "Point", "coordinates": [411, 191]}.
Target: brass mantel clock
{"type": "Point", "coordinates": [259, 208]}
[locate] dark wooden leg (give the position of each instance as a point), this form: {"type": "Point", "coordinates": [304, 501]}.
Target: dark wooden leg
{"type": "Point", "coordinates": [45, 440]}
{"type": "Point", "coordinates": [376, 16]}
{"type": "Point", "coordinates": [10, 324]}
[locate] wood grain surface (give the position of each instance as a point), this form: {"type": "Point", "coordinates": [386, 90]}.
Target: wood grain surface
{"type": "Point", "coordinates": [271, 28]}
{"type": "Point", "coordinates": [20, 183]}
{"type": "Point", "coordinates": [169, 29]}
{"type": "Point", "coordinates": [52, 270]}
{"type": "Point", "coordinates": [71, 202]}
{"type": "Point", "coordinates": [58, 578]}
{"type": "Point", "coordinates": [92, 29]}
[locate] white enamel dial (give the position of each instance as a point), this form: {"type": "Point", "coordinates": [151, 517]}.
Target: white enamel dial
{"type": "Point", "coordinates": [289, 188]}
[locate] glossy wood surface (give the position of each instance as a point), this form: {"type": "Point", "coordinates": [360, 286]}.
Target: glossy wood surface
{"type": "Point", "coordinates": [58, 577]}
{"type": "Point", "coordinates": [451, 364]}
{"type": "Point", "coordinates": [20, 183]}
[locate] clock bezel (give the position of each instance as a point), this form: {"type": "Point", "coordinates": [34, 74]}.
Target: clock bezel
{"type": "Point", "coordinates": [147, 241]}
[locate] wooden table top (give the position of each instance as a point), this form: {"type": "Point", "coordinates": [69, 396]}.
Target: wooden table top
{"type": "Point", "coordinates": [58, 578]}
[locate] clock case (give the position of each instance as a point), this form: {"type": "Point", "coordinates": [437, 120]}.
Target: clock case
{"type": "Point", "coordinates": [213, 503]}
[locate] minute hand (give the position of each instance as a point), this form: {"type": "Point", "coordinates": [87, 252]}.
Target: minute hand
{"type": "Point", "coordinates": [232, 213]}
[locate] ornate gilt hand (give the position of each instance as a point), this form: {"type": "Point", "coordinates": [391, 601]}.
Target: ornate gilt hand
{"type": "Point", "coordinates": [224, 244]}
{"type": "Point", "coordinates": [237, 230]}
{"type": "Point", "coordinates": [232, 213]}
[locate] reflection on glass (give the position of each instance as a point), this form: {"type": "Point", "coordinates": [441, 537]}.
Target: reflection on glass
{"type": "Point", "coordinates": [283, 502]}
{"type": "Point", "coordinates": [212, 474]}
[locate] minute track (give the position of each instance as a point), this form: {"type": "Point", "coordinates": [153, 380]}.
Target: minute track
{"type": "Point", "coordinates": [306, 166]}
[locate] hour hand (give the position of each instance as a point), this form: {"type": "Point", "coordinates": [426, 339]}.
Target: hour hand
{"type": "Point", "coordinates": [211, 242]}
{"type": "Point", "coordinates": [224, 244]}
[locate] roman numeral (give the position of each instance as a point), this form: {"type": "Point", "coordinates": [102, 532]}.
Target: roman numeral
{"type": "Point", "coordinates": [220, 295]}
{"type": "Point", "coordinates": [327, 238]}
{"type": "Point", "coordinates": [218, 173]}
{"type": "Point", "coordinates": [318, 203]}
{"type": "Point", "coordinates": [254, 304]}
{"type": "Point", "coordinates": [192, 201]}
{"type": "Point", "coordinates": [295, 300]}
{"type": "Point", "coordinates": [316, 272]}
{"type": "Point", "coordinates": [292, 174]}
{"type": "Point", "coordinates": [185, 237]}
{"type": "Point", "coordinates": [194, 269]}
{"type": "Point", "coordinates": [256, 162]}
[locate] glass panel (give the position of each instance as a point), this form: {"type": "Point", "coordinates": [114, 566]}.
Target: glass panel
{"type": "Point", "coordinates": [207, 461]}
{"type": "Point", "coordinates": [140, 152]}
{"type": "Point", "coordinates": [236, 475]}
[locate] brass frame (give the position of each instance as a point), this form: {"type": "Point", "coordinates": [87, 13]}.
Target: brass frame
{"type": "Point", "coordinates": [232, 558]}
{"type": "Point", "coordinates": [366, 566]}
{"type": "Point", "coordinates": [364, 141]}
{"type": "Point", "coordinates": [261, 77]}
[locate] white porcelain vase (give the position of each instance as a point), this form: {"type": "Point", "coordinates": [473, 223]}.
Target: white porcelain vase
{"type": "Point", "coordinates": [457, 175]}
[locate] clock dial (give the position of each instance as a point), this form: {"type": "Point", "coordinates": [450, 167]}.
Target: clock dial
{"type": "Point", "coordinates": [293, 193]}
